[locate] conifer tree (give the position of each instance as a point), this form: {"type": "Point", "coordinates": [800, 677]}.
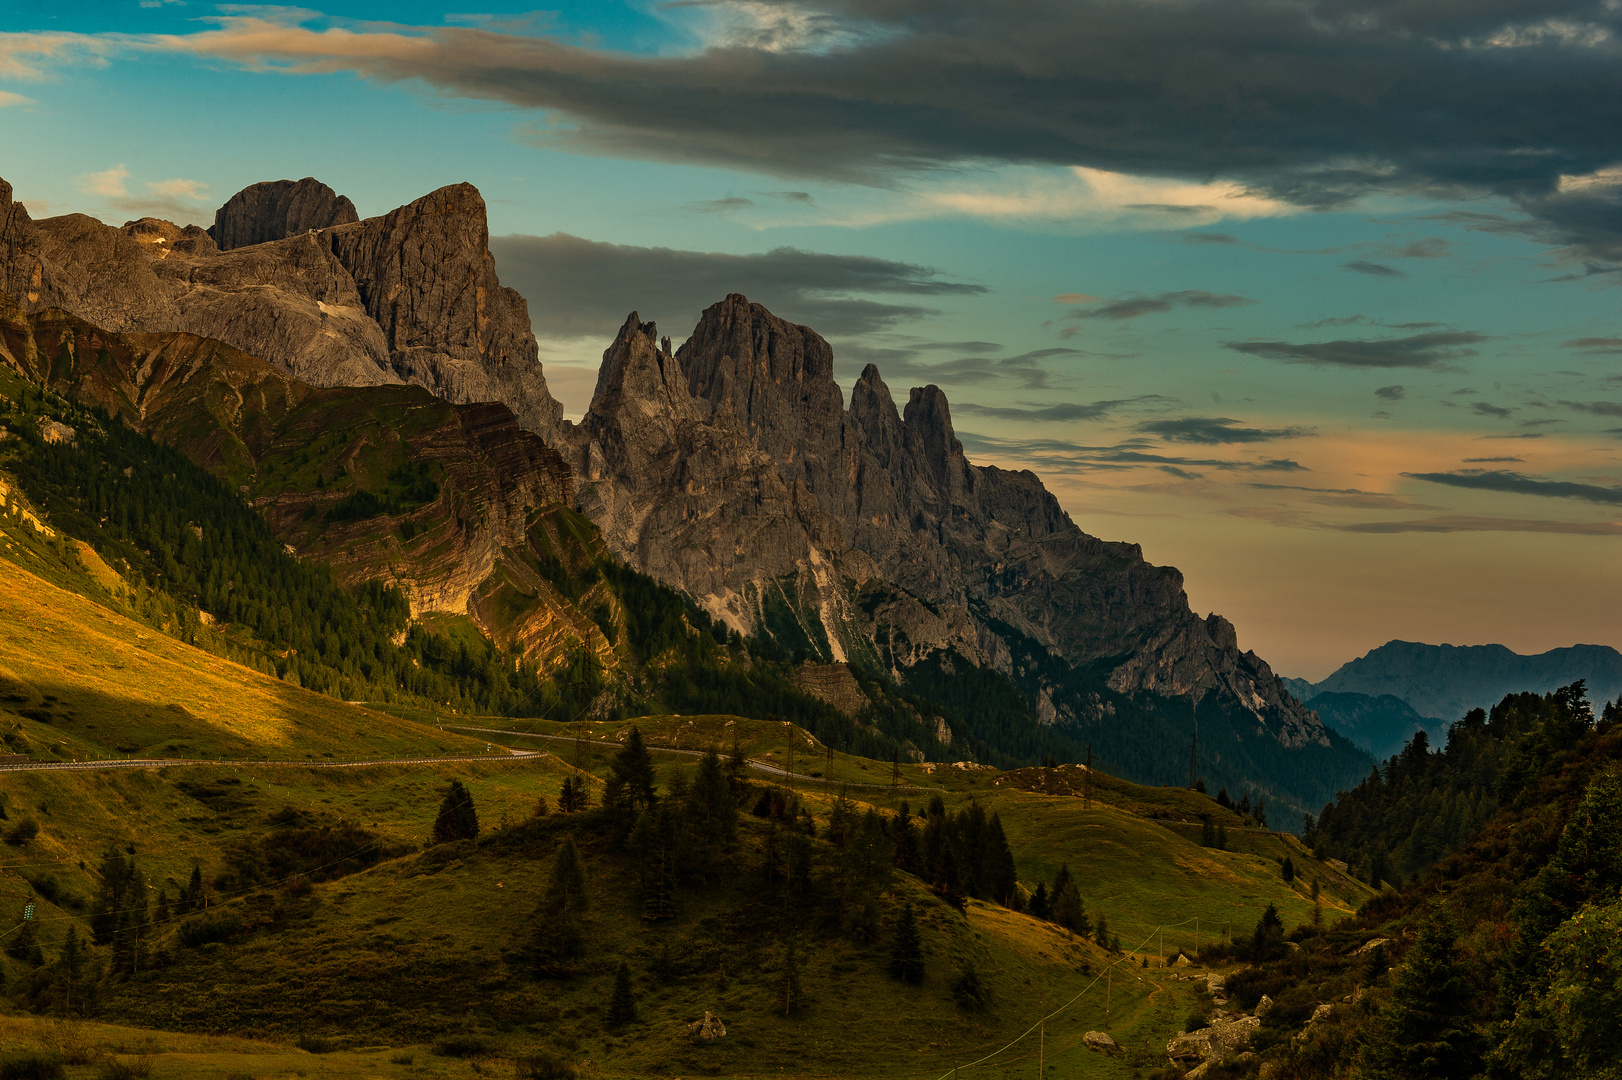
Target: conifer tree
{"type": "Point", "coordinates": [1268, 939]}
{"type": "Point", "coordinates": [1040, 907]}
{"type": "Point", "coordinates": [907, 949]}
{"type": "Point", "coordinates": [560, 920]}
{"type": "Point", "coordinates": [788, 981]}
{"type": "Point", "coordinates": [630, 786]}
{"type": "Point", "coordinates": [711, 816]}
{"type": "Point", "coordinates": [457, 819]}
{"type": "Point", "coordinates": [1425, 1031]}
{"type": "Point", "coordinates": [1287, 870]}
{"type": "Point", "coordinates": [1101, 931]}
{"type": "Point", "coordinates": [1065, 906]}
{"type": "Point", "coordinates": [622, 1006]}
{"type": "Point", "coordinates": [905, 840]}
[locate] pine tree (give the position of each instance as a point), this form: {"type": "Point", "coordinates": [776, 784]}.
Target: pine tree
{"type": "Point", "coordinates": [1101, 931]}
{"type": "Point", "coordinates": [1207, 831]}
{"type": "Point", "coordinates": [788, 982]}
{"type": "Point", "coordinates": [1066, 907]}
{"type": "Point", "coordinates": [905, 840]}
{"type": "Point", "coordinates": [1268, 939]}
{"type": "Point", "coordinates": [630, 786]}
{"type": "Point", "coordinates": [560, 920]}
{"type": "Point", "coordinates": [1039, 906]}
{"type": "Point", "coordinates": [1425, 1032]}
{"type": "Point", "coordinates": [457, 819]}
{"type": "Point", "coordinates": [1287, 870]}
{"type": "Point", "coordinates": [907, 949]}
{"type": "Point", "coordinates": [622, 1006]}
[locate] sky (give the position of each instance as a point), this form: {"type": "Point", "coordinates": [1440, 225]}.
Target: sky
{"type": "Point", "coordinates": [1317, 301]}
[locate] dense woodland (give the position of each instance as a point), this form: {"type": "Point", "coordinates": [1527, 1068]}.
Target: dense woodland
{"type": "Point", "coordinates": [1404, 817]}
{"type": "Point", "coordinates": [1502, 958]}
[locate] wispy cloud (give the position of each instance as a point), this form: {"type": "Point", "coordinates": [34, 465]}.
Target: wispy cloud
{"type": "Point", "coordinates": [1390, 393]}
{"type": "Point", "coordinates": [1598, 408]}
{"type": "Point", "coordinates": [1516, 483]}
{"type": "Point", "coordinates": [1134, 307]}
{"type": "Point", "coordinates": [1091, 410]}
{"type": "Point", "coordinates": [1216, 430]}
{"type": "Point", "coordinates": [1464, 523]}
{"type": "Point", "coordinates": [9, 100]}
{"type": "Point", "coordinates": [1373, 269]}
{"type": "Point", "coordinates": [109, 183]}
{"type": "Point", "coordinates": [1434, 350]}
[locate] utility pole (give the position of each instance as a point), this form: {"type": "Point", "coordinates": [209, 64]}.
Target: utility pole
{"type": "Point", "coordinates": [1109, 985]}
{"type": "Point", "coordinates": [1194, 750]}
{"type": "Point", "coordinates": [1087, 781]}
{"type": "Point", "coordinates": [1042, 1051]}
{"type": "Point", "coordinates": [895, 772]}
{"type": "Point", "coordinates": [1196, 937]}
{"type": "Point", "coordinates": [1162, 933]}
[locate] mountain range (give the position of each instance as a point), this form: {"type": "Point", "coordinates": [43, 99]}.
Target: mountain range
{"type": "Point", "coordinates": [1381, 698]}
{"type": "Point", "coordinates": [731, 468]}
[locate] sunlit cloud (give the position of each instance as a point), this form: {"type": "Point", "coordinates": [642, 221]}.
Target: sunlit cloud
{"type": "Point", "coordinates": [109, 183]}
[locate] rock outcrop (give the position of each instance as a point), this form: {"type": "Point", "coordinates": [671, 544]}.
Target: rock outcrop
{"type": "Point", "coordinates": [288, 274]}
{"type": "Point", "coordinates": [462, 551]}
{"type": "Point", "coordinates": [733, 469]}
{"type": "Point", "coordinates": [277, 209]}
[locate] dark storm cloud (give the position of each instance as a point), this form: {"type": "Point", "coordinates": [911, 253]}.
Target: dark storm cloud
{"type": "Point", "coordinates": [580, 287]}
{"type": "Point", "coordinates": [1133, 307]}
{"type": "Point", "coordinates": [1215, 431]}
{"type": "Point", "coordinates": [1516, 483]}
{"type": "Point", "coordinates": [1316, 102]}
{"type": "Point", "coordinates": [1433, 350]}
{"type": "Point", "coordinates": [1373, 269]}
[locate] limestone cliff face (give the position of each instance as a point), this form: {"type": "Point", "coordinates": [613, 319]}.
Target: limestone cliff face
{"type": "Point", "coordinates": [425, 275]}
{"type": "Point", "coordinates": [734, 471]}
{"type": "Point", "coordinates": [258, 428]}
{"type": "Point", "coordinates": [277, 209]}
{"type": "Point", "coordinates": [289, 275]}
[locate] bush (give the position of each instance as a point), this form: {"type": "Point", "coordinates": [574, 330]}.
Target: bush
{"type": "Point", "coordinates": [462, 1046]}
{"type": "Point", "coordinates": [137, 1068]}
{"type": "Point", "coordinates": [35, 1065]}
{"type": "Point", "coordinates": [1195, 1020]}
{"type": "Point", "coordinates": [22, 832]}
{"type": "Point", "coordinates": [969, 992]}
{"type": "Point", "coordinates": [402, 1059]}
{"type": "Point", "coordinates": [543, 1065]}
{"type": "Point", "coordinates": [314, 1044]}
{"type": "Point", "coordinates": [214, 926]}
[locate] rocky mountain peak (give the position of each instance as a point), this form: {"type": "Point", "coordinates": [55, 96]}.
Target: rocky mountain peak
{"type": "Point", "coordinates": [425, 275]}
{"type": "Point", "coordinates": [23, 274]}
{"type": "Point", "coordinates": [277, 209]}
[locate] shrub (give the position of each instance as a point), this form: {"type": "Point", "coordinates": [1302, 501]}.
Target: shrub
{"type": "Point", "coordinates": [543, 1065]}
{"type": "Point", "coordinates": [402, 1059]}
{"type": "Point", "coordinates": [213, 926]}
{"type": "Point", "coordinates": [315, 1044]}
{"type": "Point", "coordinates": [461, 1046]}
{"type": "Point", "coordinates": [1195, 1020]}
{"type": "Point", "coordinates": [136, 1068]}
{"type": "Point", "coordinates": [970, 993]}
{"type": "Point", "coordinates": [22, 832]}
{"type": "Point", "coordinates": [32, 1065]}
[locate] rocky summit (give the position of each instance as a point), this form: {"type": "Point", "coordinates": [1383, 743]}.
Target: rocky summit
{"type": "Point", "coordinates": [288, 274]}
{"type": "Point", "coordinates": [733, 469]}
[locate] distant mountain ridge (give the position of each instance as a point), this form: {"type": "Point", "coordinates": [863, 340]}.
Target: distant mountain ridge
{"type": "Point", "coordinates": [1443, 682]}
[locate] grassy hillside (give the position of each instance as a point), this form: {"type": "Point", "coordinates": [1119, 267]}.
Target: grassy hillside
{"type": "Point", "coordinates": [422, 945]}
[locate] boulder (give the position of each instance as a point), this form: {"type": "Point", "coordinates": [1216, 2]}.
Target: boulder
{"type": "Point", "coordinates": [1263, 1005]}
{"type": "Point", "coordinates": [1321, 1013]}
{"type": "Point", "coordinates": [1213, 1043]}
{"type": "Point", "coordinates": [1098, 1040]}
{"type": "Point", "coordinates": [708, 1029]}
{"type": "Point", "coordinates": [1371, 946]}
